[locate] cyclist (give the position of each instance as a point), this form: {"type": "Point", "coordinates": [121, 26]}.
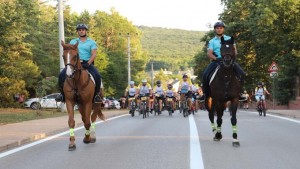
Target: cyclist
{"type": "Point", "coordinates": [186, 91]}
{"type": "Point", "coordinates": [145, 89]}
{"type": "Point", "coordinates": [171, 94]}
{"type": "Point", "coordinates": [247, 100]}
{"type": "Point", "coordinates": [260, 91]}
{"type": "Point", "coordinates": [159, 95]}
{"type": "Point", "coordinates": [130, 92]}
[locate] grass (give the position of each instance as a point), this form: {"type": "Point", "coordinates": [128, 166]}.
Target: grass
{"type": "Point", "coordinates": [18, 115]}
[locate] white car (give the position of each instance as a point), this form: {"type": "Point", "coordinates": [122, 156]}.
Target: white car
{"type": "Point", "coordinates": [44, 102]}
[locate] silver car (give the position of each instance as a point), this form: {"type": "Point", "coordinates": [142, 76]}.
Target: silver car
{"type": "Point", "coordinates": [44, 102]}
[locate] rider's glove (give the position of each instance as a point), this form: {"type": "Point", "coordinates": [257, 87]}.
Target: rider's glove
{"type": "Point", "coordinates": [85, 65]}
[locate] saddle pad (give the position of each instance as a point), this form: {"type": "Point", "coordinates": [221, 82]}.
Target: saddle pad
{"type": "Point", "coordinates": [214, 75]}
{"type": "Point", "coordinates": [92, 77]}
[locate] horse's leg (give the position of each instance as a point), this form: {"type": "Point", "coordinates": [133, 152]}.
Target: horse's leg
{"type": "Point", "coordinates": [220, 111]}
{"type": "Point", "coordinates": [71, 122]}
{"type": "Point", "coordinates": [234, 105]}
{"type": "Point", "coordinates": [95, 113]}
{"type": "Point", "coordinates": [87, 122]}
{"type": "Point", "coordinates": [210, 109]}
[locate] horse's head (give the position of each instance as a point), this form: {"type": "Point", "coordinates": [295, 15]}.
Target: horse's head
{"type": "Point", "coordinates": [71, 58]}
{"type": "Point", "coordinates": [227, 51]}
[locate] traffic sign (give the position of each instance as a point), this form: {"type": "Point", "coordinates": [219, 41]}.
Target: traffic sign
{"type": "Point", "coordinates": [273, 74]}
{"type": "Point", "coordinates": [273, 67]}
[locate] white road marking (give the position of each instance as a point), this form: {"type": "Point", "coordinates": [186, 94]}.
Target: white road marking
{"type": "Point", "coordinates": [196, 161]}
{"type": "Point", "coordinates": [279, 117]}
{"type": "Point", "coordinates": [49, 138]}
{"type": "Point", "coordinates": [69, 71]}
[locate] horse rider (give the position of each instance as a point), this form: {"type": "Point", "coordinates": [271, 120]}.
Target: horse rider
{"type": "Point", "coordinates": [87, 50]}
{"type": "Point", "coordinates": [159, 95]}
{"type": "Point", "coordinates": [260, 91]}
{"type": "Point", "coordinates": [214, 53]}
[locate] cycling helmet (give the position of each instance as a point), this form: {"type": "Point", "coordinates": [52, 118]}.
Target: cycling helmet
{"type": "Point", "coordinates": [245, 91]}
{"type": "Point", "coordinates": [144, 81]}
{"type": "Point", "coordinates": [158, 82]}
{"type": "Point", "coordinates": [259, 83]}
{"type": "Point", "coordinates": [81, 26]}
{"type": "Point", "coordinates": [217, 24]}
{"type": "Point", "coordinates": [131, 83]}
{"type": "Point", "coordinates": [170, 86]}
{"type": "Point", "coordinates": [185, 76]}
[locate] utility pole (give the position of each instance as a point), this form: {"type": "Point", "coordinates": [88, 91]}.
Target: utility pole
{"type": "Point", "coordinates": [128, 53]}
{"type": "Point", "coordinates": [61, 33]}
{"type": "Point", "coordinates": [152, 75]}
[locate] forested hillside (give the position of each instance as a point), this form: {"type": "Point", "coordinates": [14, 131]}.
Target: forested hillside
{"type": "Point", "coordinates": [172, 49]}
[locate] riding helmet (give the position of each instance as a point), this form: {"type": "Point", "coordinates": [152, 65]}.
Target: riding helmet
{"type": "Point", "coordinates": [217, 24]}
{"type": "Point", "coordinates": [82, 26]}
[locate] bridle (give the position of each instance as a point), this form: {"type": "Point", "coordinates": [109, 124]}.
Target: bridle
{"type": "Point", "coordinates": [75, 68]}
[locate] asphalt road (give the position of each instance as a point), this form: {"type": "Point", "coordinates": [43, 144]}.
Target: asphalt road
{"type": "Point", "coordinates": [164, 142]}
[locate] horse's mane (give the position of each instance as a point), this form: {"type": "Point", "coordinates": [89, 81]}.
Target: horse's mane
{"type": "Point", "coordinates": [69, 47]}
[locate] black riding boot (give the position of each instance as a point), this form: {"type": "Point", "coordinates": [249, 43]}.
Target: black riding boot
{"type": "Point", "coordinates": [61, 80]}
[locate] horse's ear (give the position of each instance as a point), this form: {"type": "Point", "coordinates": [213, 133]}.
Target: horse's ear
{"type": "Point", "coordinates": [62, 43]}
{"type": "Point", "coordinates": [232, 40]}
{"type": "Point", "coordinates": [76, 45]}
{"type": "Point", "coordinates": [222, 40]}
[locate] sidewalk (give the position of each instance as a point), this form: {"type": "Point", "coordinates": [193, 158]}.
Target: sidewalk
{"type": "Point", "coordinates": [295, 114]}
{"type": "Point", "coordinates": [17, 134]}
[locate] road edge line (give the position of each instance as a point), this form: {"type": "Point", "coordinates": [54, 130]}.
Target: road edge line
{"type": "Point", "coordinates": [9, 152]}
{"type": "Point", "coordinates": [275, 116]}
{"type": "Point", "coordinates": [196, 160]}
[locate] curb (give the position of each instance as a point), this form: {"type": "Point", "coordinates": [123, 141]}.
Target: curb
{"type": "Point", "coordinates": [40, 136]}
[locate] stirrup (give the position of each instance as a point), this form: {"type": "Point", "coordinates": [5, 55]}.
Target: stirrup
{"type": "Point", "coordinates": [97, 99]}
{"type": "Point", "coordinates": [60, 98]}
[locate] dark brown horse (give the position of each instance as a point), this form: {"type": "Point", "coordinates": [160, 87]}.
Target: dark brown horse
{"type": "Point", "coordinates": [79, 88]}
{"type": "Point", "coordinates": [223, 88]}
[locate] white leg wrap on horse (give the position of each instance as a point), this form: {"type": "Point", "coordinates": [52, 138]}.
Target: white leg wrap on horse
{"type": "Point", "coordinates": [87, 132]}
{"type": "Point", "coordinates": [72, 132]}
{"type": "Point", "coordinates": [219, 129]}
{"type": "Point", "coordinates": [93, 126]}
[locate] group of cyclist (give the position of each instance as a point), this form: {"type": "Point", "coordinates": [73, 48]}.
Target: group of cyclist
{"type": "Point", "coordinates": [187, 91]}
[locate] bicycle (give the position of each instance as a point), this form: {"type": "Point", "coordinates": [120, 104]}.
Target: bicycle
{"type": "Point", "coordinates": [132, 106]}
{"type": "Point", "coordinates": [261, 107]}
{"type": "Point", "coordinates": [183, 103]}
{"type": "Point", "coordinates": [143, 106]}
{"type": "Point", "coordinates": [169, 105]}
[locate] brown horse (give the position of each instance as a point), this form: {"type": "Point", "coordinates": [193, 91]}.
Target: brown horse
{"type": "Point", "coordinates": [79, 88]}
{"type": "Point", "coordinates": [224, 87]}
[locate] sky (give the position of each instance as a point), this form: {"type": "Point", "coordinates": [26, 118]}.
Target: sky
{"type": "Point", "coordinates": [181, 14]}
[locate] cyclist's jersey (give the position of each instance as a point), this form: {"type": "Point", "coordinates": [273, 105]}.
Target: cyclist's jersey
{"type": "Point", "coordinates": [131, 90]}
{"type": "Point", "coordinates": [158, 90]}
{"type": "Point", "coordinates": [170, 93]}
{"type": "Point", "coordinates": [85, 48]}
{"type": "Point", "coordinates": [194, 89]}
{"type": "Point", "coordinates": [260, 91]}
{"type": "Point", "coordinates": [144, 89]}
{"type": "Point", "coordinates": [185, 87]}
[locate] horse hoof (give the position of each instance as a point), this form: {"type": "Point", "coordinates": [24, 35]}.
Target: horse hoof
{"type": "Point", "coordinates": [93, 140]}
{"type": "Point", "coordinates": [216, 139]}
{"type": "Point", "coordinates": [86, 141]}
{"type": "Point", "coordinates": [72, 147]}
{"type": "Point", "coordinates": [235, 143]}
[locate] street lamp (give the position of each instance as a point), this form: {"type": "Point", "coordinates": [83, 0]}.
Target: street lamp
{"type": "Point", "coordinates": [61, 33]}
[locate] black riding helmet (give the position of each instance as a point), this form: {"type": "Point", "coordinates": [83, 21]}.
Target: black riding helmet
{"type": "Point", "coordinates": [217, 24]}
{"type": "Point", "coordinates": [82, 26]}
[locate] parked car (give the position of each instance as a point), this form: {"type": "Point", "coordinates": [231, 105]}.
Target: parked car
{"type": "Point", "coordinates": [44, 102]}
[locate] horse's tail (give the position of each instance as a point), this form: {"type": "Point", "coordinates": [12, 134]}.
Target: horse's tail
{"type": "Point", "coordinates": [97, 109]}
